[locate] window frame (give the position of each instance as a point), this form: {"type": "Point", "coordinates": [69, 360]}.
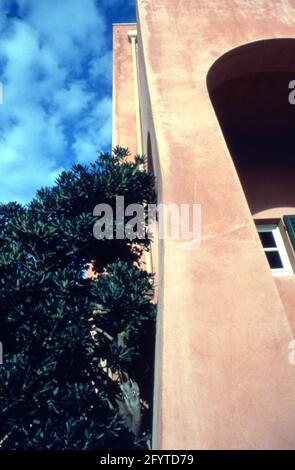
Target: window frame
{"type": "Point", "coordinates": [274, 228]}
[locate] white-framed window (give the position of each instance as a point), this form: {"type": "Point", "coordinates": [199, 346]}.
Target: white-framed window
{"type": "Point", "coordinates": [274, 248]}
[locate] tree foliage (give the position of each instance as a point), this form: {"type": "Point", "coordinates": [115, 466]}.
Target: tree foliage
{"type": "Point", "coordinates": [69, 341]}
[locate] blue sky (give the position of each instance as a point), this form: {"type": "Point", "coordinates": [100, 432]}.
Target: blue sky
{"type": "Point", "coordinates": [55, 66]}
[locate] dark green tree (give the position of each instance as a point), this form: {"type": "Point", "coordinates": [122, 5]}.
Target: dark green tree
{"type": "Point", "coordinates": [78, 351]}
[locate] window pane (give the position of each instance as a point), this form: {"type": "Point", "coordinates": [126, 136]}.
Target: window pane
{"type": "Point", "coordinates": [274, 259]}
{"type": "Point", "coordinates": [267, 239]}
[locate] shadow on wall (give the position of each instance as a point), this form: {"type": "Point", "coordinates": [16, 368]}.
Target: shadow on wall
{"type": "Point", "coordinates": [150, 165]}
{"type": "Point", "coordinates": [249, 90]}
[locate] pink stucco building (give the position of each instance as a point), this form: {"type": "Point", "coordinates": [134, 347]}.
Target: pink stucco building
{"type": "Point", "coordinates": [204, 88]}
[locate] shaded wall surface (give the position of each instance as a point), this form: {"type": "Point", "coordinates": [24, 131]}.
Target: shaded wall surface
{"type": "Point", "coordinates": [223, 380]}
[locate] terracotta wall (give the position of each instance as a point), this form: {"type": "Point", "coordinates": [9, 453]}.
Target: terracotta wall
{"type": "Point", "coordinates": [249, 89]}
{"type": "Point", "coordinates": [124, 119]}
{"type": "Point", "coordinates": [223, 379]}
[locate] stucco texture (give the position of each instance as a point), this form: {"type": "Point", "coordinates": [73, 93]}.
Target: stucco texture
{"type": "Point", "coordinates": [222, 380]}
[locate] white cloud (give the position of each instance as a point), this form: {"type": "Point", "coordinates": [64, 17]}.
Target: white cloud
{"type": "Point", "coordinates": [71, 100]}
{"type": "Point", "coordinates": [67, 25]}
{"type": "Point", "coordinates": [54, 112]}
{"type": "Point", "coordinates": [93, 130]}
{"type": "Point", "coordinates": [101, 68]}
